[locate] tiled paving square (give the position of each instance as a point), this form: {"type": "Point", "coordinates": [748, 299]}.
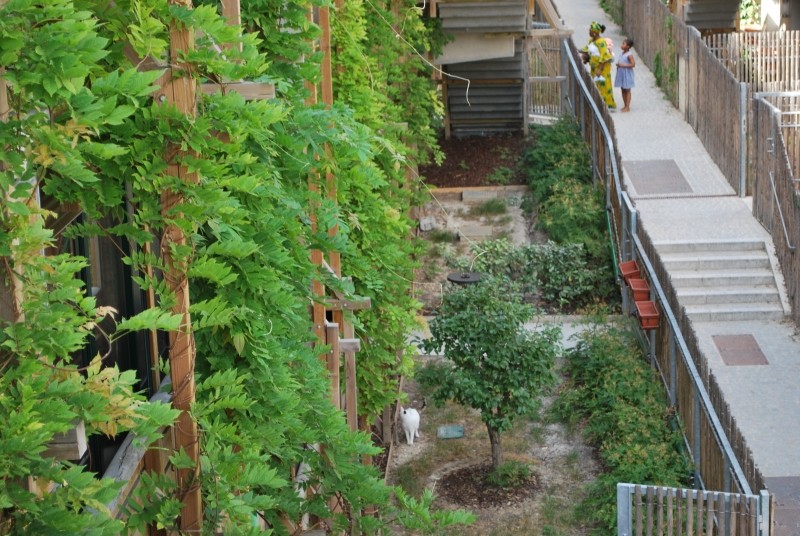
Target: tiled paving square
{"type": "Point", "coordinates": [654, 177]}
{"type": "Point", "coordinates": [739, 350]}
{"type": "Point", "coordinates": [787, 496]}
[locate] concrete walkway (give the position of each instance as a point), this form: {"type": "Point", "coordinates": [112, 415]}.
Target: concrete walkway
{"type": "Point", "coordinates": [764, 397]}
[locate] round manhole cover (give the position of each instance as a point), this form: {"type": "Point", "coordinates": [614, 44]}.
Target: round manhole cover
{"type": "Point", "coordinates": [464, 278]}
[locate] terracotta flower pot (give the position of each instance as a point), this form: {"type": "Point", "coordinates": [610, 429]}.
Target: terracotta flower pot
{"type": "Point", "coordinates": [648, 314]}
{"type": "Point", "coordinates": [640, 289]}
{"type": "Point", "coordinates": [629, 270]}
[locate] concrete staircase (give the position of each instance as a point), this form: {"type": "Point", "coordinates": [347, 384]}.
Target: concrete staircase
{"type": "Point", "coordinates": [723, 280]}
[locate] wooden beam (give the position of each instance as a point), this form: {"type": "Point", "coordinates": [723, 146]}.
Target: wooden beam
{"type": "Point", "coordinates": [129, 461]}
{"type": "Point", "coordinates": [550, 14]}
{"type": "Point", "coordinates": [4, 108]}
{"type": "Point", "coordinates": [351, 383]}
{"type": "Point", "coordinates": [551, 32]}
{"type": "Point", "coordinates": [347, 305]}
{"type": "Point", "coordinates": [326, 88]}
{"type": "Point", "coordinates": [332, 337]}
{"type": "Point", "coordinates": [250, 91]}
{"type": "Point", "coordinates": [349, 345]}
{"type": "Point", "coordinates": [71, 445]}
{"type": "Point", "coordinates": [232, 11]}
{"type": "Point", "coordinates": [180, 92]}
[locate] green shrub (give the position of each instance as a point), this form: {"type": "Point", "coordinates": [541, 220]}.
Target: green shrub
{"type": "Point", "coordinates": [613, 389]}
{"type": "Point", "coordinates": [442, 236]}
{"type": "Point", "coordinates": [559, 153]}
{"type": "Point", "coordinates": [490, 207]}
{"type": "Point", "coordinates": [574, 214]}
{"type": "Point", "coordinates": [501, 176]}
{"type": "Point", "coordinates": [511, 474]}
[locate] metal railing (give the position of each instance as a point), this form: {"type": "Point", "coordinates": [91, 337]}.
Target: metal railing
{"type": "Point", "coordinates": [703, 431]}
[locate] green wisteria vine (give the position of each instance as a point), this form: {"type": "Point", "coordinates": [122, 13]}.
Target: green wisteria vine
{"type": "Point", "coordinates": [85, 130]}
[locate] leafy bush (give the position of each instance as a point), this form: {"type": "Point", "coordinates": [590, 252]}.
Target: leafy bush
{"type": "Point", "coordinates": [571, 210]}
{"type": "Point", "coordinates": [559, 153]}
{"type": "Point", "coordinates": [558, 275]}
{"type": "Point", "coordinates": [500, 176]}
{"type": "Point", "coordinates": [574, 213]}
{"type": "Point", "coordinates": [511, 474]}
{"type": "Point", "coordinates": [613, 389]}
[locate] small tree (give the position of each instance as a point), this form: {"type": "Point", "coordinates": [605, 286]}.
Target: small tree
{"type": "Point", "coordinates": [495, 365]}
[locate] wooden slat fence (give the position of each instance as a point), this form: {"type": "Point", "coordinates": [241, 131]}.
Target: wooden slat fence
{"type": "Point", "coordinates": [776, 201]}
{"type": "Point", "coordinates": [722, 458]}
{"type": "Point", "coordinates": [717, 76]}
{"type": "Point", "coordinates": [658, 35]}
{"type": "Point", "coordinates": [545, 76]}
{"type": "Point", "coordinates": [767, 61]}
{"type": "Point", "coordinates": [655, 510]}
{"type": "Point", "coordinates": [715, 108]}
{"type": "Point", "coordinates": [712, 437]}
{"type": "Point", "coordinates": [705, 432]}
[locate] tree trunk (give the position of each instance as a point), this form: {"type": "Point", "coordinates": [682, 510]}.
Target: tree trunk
{"type": "Point", "coordinates": [497, 451]}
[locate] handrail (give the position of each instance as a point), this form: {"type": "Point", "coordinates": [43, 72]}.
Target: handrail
{"type": "Point", "coordinates": [705, 399]}
{"type": "Point", "coordinates": [780, 212]}
{"type": "Point", "coordinates": [606, 134]}
{"type": "Point", "coordinates": [761, 95]}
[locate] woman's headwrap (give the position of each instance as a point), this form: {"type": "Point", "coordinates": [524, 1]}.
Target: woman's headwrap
{"type": "Point", "coordinates": [596, 27]}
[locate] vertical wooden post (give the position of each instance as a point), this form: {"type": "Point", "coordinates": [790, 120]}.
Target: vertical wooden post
{"type": "Point", "coordinates": [317, 288]}
{"type": "Point", "coordinates": [180, 91]}
{"type": "Point", "coordinates": [351, 385]}
{"type": "Point", "coordinates": [232, 11]}
{"type": "Point", "coordinates": [332, 334]}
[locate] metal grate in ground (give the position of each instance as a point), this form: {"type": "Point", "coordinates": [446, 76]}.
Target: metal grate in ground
{"type": "Point", "coordinates": [653, 177]}
{"type": "Point", "coordinates": [739, 350]}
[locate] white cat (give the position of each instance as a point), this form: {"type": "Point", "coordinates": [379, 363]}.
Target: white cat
{"type": "Point", "coordinates": [409, 418]}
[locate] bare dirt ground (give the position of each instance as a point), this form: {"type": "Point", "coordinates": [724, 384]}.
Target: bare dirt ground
{"type": "Point", "coordinates": [561, 462]}
{"type": "Point", "coordinates": [475, 161]}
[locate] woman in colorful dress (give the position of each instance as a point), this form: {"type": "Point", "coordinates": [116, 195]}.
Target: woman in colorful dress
{"type": "Point", "coordinates": [600, 63]}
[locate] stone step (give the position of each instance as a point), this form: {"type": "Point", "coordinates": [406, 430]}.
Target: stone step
{"type": "Point", "coordinates": [712, 245]}
{"type": "Point", "coordinates": [730, 295]}
{"type": "Point", "coordinates": [726, 312]}
{"type": "Point", "coordinates": [715, 260]}
{"type": "Point", "coordinates": [722, 278]}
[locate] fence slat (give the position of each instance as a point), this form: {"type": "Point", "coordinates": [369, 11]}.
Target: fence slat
{"type": "Point", "coordinates": [667, 511]}
{"type": "Point", "coordinates": [670, 512]}
{"type": "Point", "coordinates": [638, 510]}
{"type": "Point", "coordinates": [710, 514]}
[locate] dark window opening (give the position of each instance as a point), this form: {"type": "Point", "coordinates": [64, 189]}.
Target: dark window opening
{"type": "Point", "coordinates": [110, 282]}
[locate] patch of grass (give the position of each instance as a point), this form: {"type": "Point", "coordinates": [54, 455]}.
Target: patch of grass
{"type": "Point", "coordinates": [407, 477]}
{"type": "Point", "coordinates": [413, 477]}
{"type": "Point", "coordinates": [557, 516]}
{"type": "Point", "coordinates": [442, 236]}
{"type": "Point", "coordinates": [536, 433]}
{"type": "Point", "coordinates": [500, 176]}
{"type": "Point", "coordinates": [505, 219]}
{"type": "Point", "coordinates": [503, 152]}
{"type": "Point", "coordinates": [490, 207]}
{"type": "Point", "coordinates": [573, 464]}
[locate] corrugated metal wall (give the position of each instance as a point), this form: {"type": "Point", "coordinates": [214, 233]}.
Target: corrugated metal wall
{"type": "Point", "coordinates": [494, 99]}
{"type": "Point", "coordinates": [711, 14]}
